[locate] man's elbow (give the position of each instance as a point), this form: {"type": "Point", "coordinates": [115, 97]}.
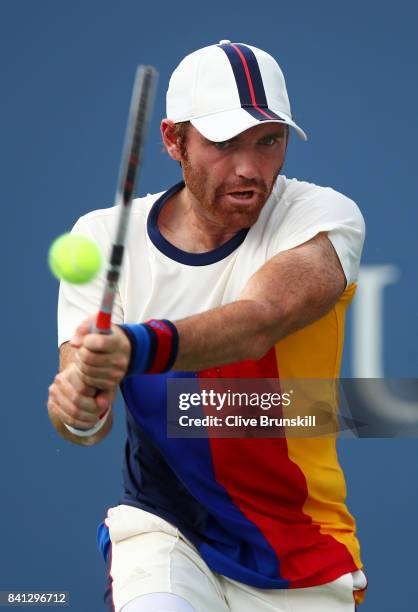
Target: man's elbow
{"type": "Point", "coordinates": [259, 347]}
{"type": "Point", "coordinates": [274, 325]}
{"type": "Point", "coordinates": [271, 326]}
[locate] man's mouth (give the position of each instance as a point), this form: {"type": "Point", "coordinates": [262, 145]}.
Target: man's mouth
{"type": "Point", "coordinates": [245, 195]}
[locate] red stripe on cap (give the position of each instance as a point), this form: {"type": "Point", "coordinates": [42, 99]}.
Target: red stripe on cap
{"type": "Point", "coordinates": [164, 346]}
{"type": "Point", "coordinates": [249, 81]}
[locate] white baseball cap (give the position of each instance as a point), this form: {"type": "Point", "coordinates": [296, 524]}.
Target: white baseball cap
{"type": "Point", "coordinates": [227, 88]}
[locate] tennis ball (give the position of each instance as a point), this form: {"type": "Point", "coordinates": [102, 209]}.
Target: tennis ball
{"type": "Point", "coordinates": [74, 258]}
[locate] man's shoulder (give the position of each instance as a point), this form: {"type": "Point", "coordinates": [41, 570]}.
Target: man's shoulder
{"type": "Point", "coordinates": [293, 190]}
{"type": "Point", "coordinates": [103, 220]}
{"type": "Point", "coordinates": [298, 197]}
{"type": "Point", "coordinates": [140, 208]}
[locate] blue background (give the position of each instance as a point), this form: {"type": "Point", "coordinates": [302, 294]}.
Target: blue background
{"type": "Point", "coordinates": [67, 70]}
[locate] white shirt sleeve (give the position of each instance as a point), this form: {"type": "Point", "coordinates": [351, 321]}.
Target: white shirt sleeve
{"type": "Point", "coordinates": [307, 210]}
{"type": "Point", "coordinates": [77, 302]}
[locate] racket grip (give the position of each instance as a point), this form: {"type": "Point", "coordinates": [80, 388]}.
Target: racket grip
{"type": "Point", "coordinates": [102, 326]}
{"type": "Point", "coordinates": [103, 323]}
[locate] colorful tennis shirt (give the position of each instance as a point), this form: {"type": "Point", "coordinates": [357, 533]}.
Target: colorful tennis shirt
{"type": "Point", "coordinates": [267, 512]}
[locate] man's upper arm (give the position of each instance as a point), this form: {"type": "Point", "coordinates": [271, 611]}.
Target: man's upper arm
{"type": "Point", "coordinates": [309, 210]}
{"type": "Point", "coordinates": [298, 286]}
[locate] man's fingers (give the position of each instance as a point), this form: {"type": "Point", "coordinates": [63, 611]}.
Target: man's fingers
{"type": "Point", "coordinates": [75, 377]}
{"type": "Point", "coordinates": [69, 412]}
{"type": "Point", "coordinates": [101, 370]}
{"type": "Point", "coordinates": [81, 332]}
{"type": "Point", "coordinates": [79, 421]}
{"type": "Point", "coordinates": [74, 408]}
{"type": "Point", "coordinates": [101, 343]}
{"type": "Point", "coordinates": [101, 360]}
{"type": "Point", "coordinates": [106, 378]}
{"type": "Point", "coordinates": [101, 383]}
{"type": "Point", "coordinates": [116, 342]}
{"type": "Point", "coordinates": [76, 403]}
{"type": "Point", "coordinates": [74, 398]}
{"type": "Point", "coordinates": [104, 400]}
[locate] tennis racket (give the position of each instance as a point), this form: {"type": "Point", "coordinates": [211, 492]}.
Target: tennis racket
{"type": "Point", "coordinates": [142, 102]}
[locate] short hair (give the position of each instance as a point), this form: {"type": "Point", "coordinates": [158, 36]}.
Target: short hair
{"type": "Point", "coordinates": [180, 132]}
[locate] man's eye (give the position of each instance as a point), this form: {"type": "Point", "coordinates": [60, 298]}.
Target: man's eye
{"type": "Point", "coordinates": [270, 140]}
{"type": "Point", "coordinates": [222, 145]}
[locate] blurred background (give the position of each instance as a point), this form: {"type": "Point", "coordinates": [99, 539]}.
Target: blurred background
{"type": "Point", "coordinates": [67, 71]}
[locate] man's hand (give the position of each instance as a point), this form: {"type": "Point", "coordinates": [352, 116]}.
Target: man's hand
{"type": "Point", "coordinates": [102, 360]}
{"type": "Point", "coordinates": [92, 366]}
{"type": "Point", "coordinates": [73, 402]}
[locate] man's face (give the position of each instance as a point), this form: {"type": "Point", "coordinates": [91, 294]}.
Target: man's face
{"type": "Point", "coordinates": [231, 181]}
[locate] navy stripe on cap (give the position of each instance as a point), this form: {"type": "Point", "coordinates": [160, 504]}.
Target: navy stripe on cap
{"type": "Point", "coordinates": [249, 82]}
{"type": "Point", "coordinates": [261, 116]}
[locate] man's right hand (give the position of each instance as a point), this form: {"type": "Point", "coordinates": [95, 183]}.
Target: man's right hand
{"type": "Point", "coordinates": [73, 402]}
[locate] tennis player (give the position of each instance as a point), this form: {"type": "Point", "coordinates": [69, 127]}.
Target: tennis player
{"type": "Point", "coordinates": [235, 272]}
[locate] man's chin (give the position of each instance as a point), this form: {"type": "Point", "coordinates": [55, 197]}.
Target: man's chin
{"type": "Point", "coordinates": [244, 212]}
{"type": "Point", "coordinates": [241, 218]}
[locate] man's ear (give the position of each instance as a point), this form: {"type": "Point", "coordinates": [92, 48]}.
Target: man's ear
{"type": "Point", "coordinates": [170, 139]}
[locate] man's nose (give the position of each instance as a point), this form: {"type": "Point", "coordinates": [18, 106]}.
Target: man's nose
{"type": "Point", "coordinates": [247, 166]}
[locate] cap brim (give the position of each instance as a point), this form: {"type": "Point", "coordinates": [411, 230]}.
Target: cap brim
{"type": "Point", "coordinates": [225, 125]}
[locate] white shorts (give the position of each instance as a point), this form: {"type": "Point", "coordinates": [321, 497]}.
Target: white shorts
{"type": "Point", "coordinates": [149, 555]}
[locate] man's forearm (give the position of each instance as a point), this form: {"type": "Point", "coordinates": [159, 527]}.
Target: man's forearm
{"type": "Point", "coordinates": [234, 332]}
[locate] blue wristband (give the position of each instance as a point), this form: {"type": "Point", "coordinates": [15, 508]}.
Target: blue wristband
{"type": "Point", "coordinates": [154, 346]}
{"type": "Point", "coordinates": [140, 340]}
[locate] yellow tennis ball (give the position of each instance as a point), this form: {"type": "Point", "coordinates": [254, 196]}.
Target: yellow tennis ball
{"type": "Point", "coordinates": [74, 258]}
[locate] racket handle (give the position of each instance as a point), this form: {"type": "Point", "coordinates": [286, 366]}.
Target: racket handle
{"type": "Point", "coordinates": [103, 324]}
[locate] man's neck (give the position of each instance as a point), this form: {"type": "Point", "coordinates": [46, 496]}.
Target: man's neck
{"type": "Point", "coordinates": [189, 227]}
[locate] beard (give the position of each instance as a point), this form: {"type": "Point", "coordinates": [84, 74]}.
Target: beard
{"type": "Point", "coordinates": [211, 197]}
